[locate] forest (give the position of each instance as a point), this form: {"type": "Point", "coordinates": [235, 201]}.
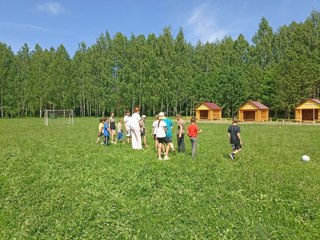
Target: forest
{"type": "Point", "coordinates": [279, 68]}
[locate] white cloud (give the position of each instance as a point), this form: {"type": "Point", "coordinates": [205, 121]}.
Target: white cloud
{"type": "Point", "coordinates": [203, 25]}
{"type": "Point", "coordinates": [53, 8]}
{"type": "Point", "coordinates": [25, 26]}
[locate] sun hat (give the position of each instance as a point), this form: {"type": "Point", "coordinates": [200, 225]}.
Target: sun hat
{"type": "Point", "coordinates": [161, 115]}
{"type": "Point", "coordinates": [144, 116]}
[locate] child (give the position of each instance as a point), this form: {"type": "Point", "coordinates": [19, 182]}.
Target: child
{"type": "Point", "coordinates": [112, 126]}
{"type": "Point", "coordinates": [100, 130]}
{"type": "Point", "coordinates": [161, 136]}
{"type": "Point", "coordinates": [127, 126]}
{"type": "Point", "coordinates": [193, 131]}
{"type": "Point", "coordinates": [106, 132]}
{"type": "Point", "coordinates": [154, 131]}
{"type": "Point", "coordinates": [180, 134]}
{"type": "Point", "coordinates": [234, 137]}
{"type": "Point", "coordinates": [169, 133]}
{"type": "Point", "coordinates": [120, 136]}
{"type": "Point", "coordinates": [143, 130]}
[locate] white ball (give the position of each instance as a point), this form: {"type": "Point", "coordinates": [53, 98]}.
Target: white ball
{"type": "Point", "coordinates": [305, 158]}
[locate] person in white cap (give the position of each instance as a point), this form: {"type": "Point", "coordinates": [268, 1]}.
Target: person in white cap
{"type": "Point", "coordinates": [143, 130]}
{"type": "Point", "coordinates": [161, 136]}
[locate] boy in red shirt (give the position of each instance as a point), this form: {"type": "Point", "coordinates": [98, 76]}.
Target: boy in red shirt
{"type": "Point", "coordinates": [193, 131]}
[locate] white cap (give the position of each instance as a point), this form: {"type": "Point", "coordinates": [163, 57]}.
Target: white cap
{"type": "Point", "coordinates": [144, 116]}
{"type": "Point", "coordinates": [161, 115]}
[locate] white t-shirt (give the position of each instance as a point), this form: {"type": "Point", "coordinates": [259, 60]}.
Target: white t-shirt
{"type": "Point", "coordinates": [154, 126]}
{"type": "Point", "coordinates": [161, 133]}
{"type": "Point", "coordinates": [135, 120]}
{"type": "Point", "coordinates": [127, 121]}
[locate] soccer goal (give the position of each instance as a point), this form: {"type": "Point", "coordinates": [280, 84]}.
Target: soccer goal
{"type": "Point", "coordinates": [58, 117]}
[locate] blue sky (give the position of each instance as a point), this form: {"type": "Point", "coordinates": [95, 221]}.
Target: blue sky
{"type": "Point", "coordinates": [69, 22]}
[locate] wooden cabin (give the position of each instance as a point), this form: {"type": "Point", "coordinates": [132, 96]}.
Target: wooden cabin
{"type": "Point", "coordinates": [208, 111]}
{"type": "Point", "coordinates": [253, 111]}
{"type": "Point", "coordinates": [308, 111]}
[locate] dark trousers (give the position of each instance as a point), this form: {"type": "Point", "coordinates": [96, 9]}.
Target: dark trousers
{"type": "Point", "coordinates": [181, 146]}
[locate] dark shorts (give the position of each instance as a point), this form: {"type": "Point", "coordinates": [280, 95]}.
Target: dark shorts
{"type": "Point", "coordinates": [163, 140]}
{"type": "Point", "coordinates": [112, 126]}
{"type": "Point", "coordinates": [235, 146]}
{"type": "Point", "coordinates": [169, 139]}
{"type": "Point", "coordinates": [143, 132]}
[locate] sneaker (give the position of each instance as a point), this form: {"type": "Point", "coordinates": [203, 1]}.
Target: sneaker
{"type": "Point", "coordinates": [166, 158]}
{"type": "Point", "coordinates": [232, 156]}
{"type": "Point", "coordinates": [160, 158]}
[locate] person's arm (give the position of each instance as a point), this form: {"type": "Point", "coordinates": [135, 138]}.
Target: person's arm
{"type": "Point", "coordinates": [238, 134]}
{"type": "Point", "coordinates": [180, 130]}
{"type": "Point", "coordinates": [199, 130]}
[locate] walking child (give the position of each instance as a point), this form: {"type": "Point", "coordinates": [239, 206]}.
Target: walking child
{"type": "Point", "coordinates": [120, 135]}
{"type": "Point", "coordinates": [180, 134]}
{"type": "Point", "coordinates": [143, 130]}
{"type": "Point", "coordinates": [193, 131]}
{"type": "Point", "coordinates": [162, 139]}
{"type": "Point", "coordinates": [106, 132]}
{"type": "Point", "coordinates": [154, 131]}
{"type": "Point", "coordinates": [100, 129]}
{"type": "Point", "coordinates": [234, 138]}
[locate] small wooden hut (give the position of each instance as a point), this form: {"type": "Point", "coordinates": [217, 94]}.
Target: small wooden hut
{"type": "Point", "coordinates": [208, 111]}
{"type": "Point", "coordinates": [253, 111]}
{"type": "Point", "coordinates": [308, 111]}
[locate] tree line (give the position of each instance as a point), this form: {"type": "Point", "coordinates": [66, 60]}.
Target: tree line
{"type": "Point", "coordinates": [165, 73]}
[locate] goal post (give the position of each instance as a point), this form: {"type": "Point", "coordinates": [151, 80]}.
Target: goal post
{"type": "Point", "coordinates": [59, 116]}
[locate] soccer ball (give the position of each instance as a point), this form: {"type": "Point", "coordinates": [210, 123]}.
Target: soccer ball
{"type": "Point", "coordinates": [305, 158]}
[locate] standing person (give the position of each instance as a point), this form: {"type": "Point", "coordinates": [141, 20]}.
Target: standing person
{"type": "Point", "coordinates": [161, 136]}
{"type": "Point", "coordinates": [135, 129]}
{"type": "Point", "coordinates": [100, 129]}
{"type": "Point", "coordinates": [143, 130]}
{"type": "Point", "coordinates": [180, 134]}
{"type": "Point", "coordinates": [106, 132]}
{"type": "Point", "coordinates": [112, 123]}
{"type": "Point", "coordinates": [127, 125]}
{"type": "Point", "coordinates": [193, 131]}
{"type": "Point", "coordinates": [234, 138]}
{"type": "Point", "coordinates": [169, 133]}
{"type": "Point", "coordinates": [120, 136]}
{"type": "Point", "coordinates": [154, 131]}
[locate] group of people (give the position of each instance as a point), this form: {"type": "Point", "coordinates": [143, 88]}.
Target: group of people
{"type": "Point", "coordinates": [162, 131]}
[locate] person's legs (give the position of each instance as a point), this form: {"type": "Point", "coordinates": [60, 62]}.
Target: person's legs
{"type": "Point", "coordinates": [194, 146]}
{"type": "Point", "coordinates": [183, 147]}
{"type": "Point", "coordinates": [134, 138]}
{"type": "Point", "coordinates": [159, 151]}
{"type": "Point", "coordinates": [179, 143]}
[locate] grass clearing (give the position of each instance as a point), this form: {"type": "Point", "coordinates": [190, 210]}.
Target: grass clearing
{"type": "Point", "coordinates": [57, 183]}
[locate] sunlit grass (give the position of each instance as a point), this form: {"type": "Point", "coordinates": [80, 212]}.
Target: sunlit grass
{"type": "Point", "coordinates": [57, 183]}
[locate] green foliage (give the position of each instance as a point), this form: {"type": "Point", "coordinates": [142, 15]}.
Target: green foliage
{"type": "Point", "coordinates": [57, 183]}
{"type": "Point", "coordinates": [165, 73]}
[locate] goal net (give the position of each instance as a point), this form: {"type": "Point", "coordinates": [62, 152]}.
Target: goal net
{"type": "Point", "coordinates": [58, 117]}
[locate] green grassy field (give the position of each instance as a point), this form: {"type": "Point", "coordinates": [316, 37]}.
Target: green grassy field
{"type": "Point", "coordinates": [57, 183]}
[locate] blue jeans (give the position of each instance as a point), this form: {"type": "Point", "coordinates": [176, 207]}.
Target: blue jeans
{"type": "Point", "coordinates": [181, 146]}
{"type": "Point", "coordinates": [193, 145]}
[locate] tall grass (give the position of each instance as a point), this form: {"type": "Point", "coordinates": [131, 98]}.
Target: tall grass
{"type": "Point", "coordinates": [57, 183]}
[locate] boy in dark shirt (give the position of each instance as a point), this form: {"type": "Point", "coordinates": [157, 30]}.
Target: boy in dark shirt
{"type": "Point", "coordinates": [234, 137]}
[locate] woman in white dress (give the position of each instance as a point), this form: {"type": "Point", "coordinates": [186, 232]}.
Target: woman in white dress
{"type": "Point", "coordinates": [135, 129]}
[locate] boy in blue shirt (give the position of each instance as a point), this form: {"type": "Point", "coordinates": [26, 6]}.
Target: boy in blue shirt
{"type": "Point", "coordinates": [169, 133]}
{"type": "Point", "coordinates": [106, 132]}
